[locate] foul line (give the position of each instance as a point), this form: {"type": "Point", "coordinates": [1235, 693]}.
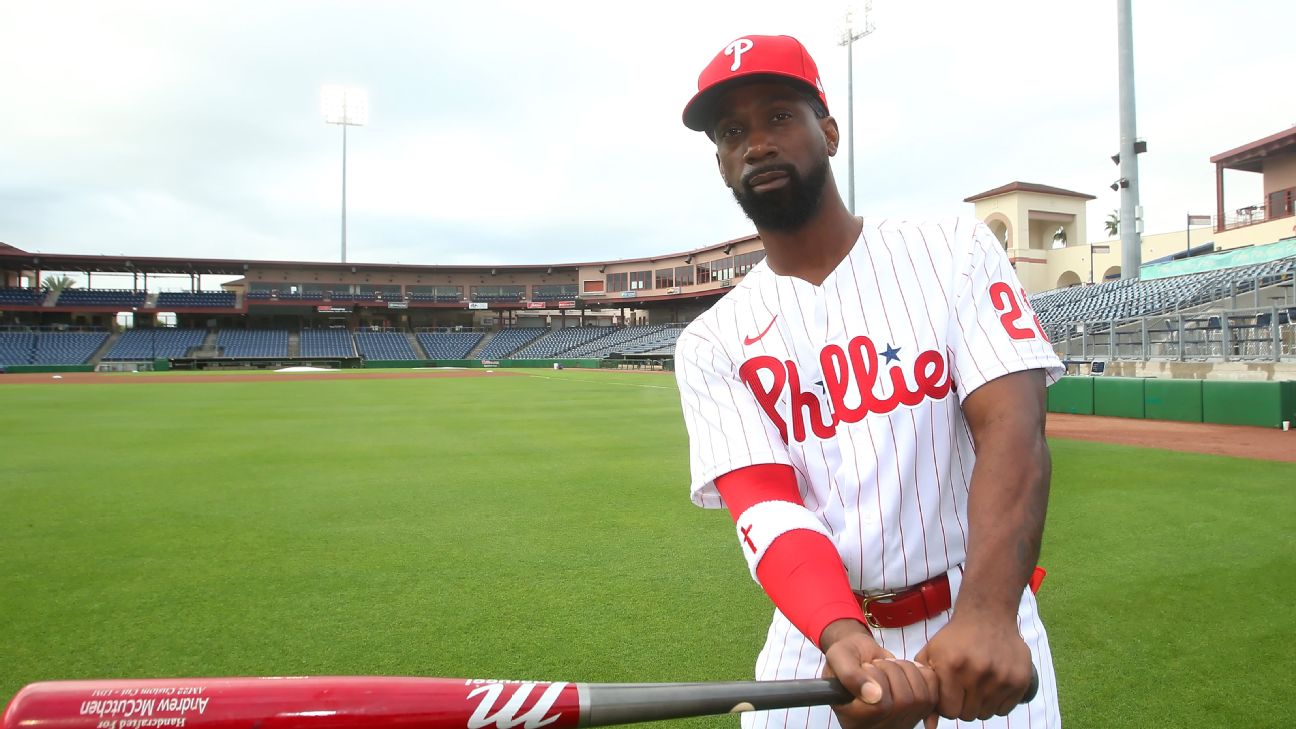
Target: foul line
{"type": "Point", "coordinates": [600, 382]}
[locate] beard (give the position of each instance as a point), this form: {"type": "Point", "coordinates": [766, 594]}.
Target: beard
{"type": "Point", "coordinates": [788, 208]}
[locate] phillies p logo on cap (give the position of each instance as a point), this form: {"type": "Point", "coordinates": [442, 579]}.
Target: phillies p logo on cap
{"type": "Point", "coordinates": [736, 49]}
{"type": "Point", "coordinates": [780, 57]}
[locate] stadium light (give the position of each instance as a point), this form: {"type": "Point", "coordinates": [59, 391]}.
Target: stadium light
{"type": "Point", "coordinates": [345, 107]}
{"type": "Point", "coordinates": [851, 33]}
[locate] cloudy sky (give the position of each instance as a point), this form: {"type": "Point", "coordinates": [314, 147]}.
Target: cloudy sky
{"type": "Point", "coordinates": [529, 132]}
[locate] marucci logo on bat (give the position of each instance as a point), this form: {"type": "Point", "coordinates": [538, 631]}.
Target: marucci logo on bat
{"type": "Point", "coordinates": [511, 713]}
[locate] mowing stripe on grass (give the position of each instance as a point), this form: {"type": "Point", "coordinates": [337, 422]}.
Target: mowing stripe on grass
{"type": "Point", "coordinates": [533, 528]}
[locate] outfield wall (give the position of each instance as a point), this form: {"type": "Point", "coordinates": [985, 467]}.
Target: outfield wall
{"type": "Point", "coordinates": [479, 363]}
{"type": "Point", "coordinates": [1264, 404]}
{"type": "Point", "coordinates": [31, 369]}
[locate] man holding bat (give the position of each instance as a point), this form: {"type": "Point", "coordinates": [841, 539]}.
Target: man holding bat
{"type": "Point", "coordinates": [868, 404]}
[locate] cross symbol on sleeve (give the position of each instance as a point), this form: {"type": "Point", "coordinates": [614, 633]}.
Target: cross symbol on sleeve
{"type": "Point", "coordinates": [746, 532]}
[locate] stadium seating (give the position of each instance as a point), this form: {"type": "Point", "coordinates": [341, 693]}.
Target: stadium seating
{"type": "Point", "coordinates": [438, 298]}
{"type": "Point", "coordinates": [507, 341]}
{"type": "Point", "coordinates": [21, 297]}
{"type": "Point", "coordinates": [615, 342]}
{"type": "Point", "coordinates": [659, 341]}
{"type": "Point", "coordinates": [122, 298]}
{"type": "Point", "coordinates": [16, 347]}
{"type": "Point", "coordinates": [560, 340]}
{"type": "Point", "coordinates": [449, 345]}
{"type": "Point", "coordinates": [49, 348]}
{"type": "Point", "coordinates": [1131, 298]}
{"type": "Point", "coordinates": [66, 347]}
{"type": "Point", "coordinates": [343, 296]}
{"type": "Point", "coordinates": [384, 345]}
{"type": "Point", "coordinates": [147, 344]}
{"type": "Point", "coordinates": [327, 343]}
{"type": "Point", "coordinates": [551, 296]}
{"type": "Point", "coordinates": [508, 298]}
{"type": "Point", "coordinates": [252, 343]}
{"type": "Point", "coordinates": [298, 296]}
{"type": "Point", "coordinates": [203, 299]}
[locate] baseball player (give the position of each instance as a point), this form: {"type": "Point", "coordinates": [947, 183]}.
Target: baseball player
{"type": "Point", "coordinates": [868, 404]}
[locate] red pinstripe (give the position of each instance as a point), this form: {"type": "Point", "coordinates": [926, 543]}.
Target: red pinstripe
{"type": "Point", "coordinates": [877, 478]}
{"type": "Point", "coordinates": [959, 325]}
{"type": "Point", "coordinates": [895, 446]}
{"type": "Point", "coordinates": [913, 421]}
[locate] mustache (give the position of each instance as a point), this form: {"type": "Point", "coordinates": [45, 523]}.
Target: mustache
{"type": "Point", "coordinates": [785, 168]}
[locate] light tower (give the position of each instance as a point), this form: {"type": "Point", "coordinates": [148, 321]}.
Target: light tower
{"type": "Point", "coordinates": [1131, 216]}
{"type": "Point", "coordinates": [345, 107]}
{"type": "Point", "coordinates": [851, 33]}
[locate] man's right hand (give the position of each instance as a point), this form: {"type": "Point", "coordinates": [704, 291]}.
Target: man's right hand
{"type": "Point", "coordinates": [889, 693]}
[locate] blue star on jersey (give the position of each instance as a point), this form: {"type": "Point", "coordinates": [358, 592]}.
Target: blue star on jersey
{"type": "Point", "coordinates": [892, 353]}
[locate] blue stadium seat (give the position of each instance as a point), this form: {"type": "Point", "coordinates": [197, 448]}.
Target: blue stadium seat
{"type": "Point", "coordinates": [384, 345]}
{"type": "Point", "coordinates": [53, 348]}
{"type": "Point", "coordinates": [1131, 298]}
{"type": "Point", "coordinates": [506, 341]}
{"type": "Point", "coordinates": [196, 299]}
{"type": "Point", "coordinates": [16, 348]}
{"type": "Point", "coordinates": [327, 343]}
{"type": "Point", "coordinates": [21, 297]}
{"type": "Point", "coordinates": [252, 342]}
{"type": "Point", "coordinates": [122, 298]}
{"type": "Point", "coordinates": [160, 343]}
{"type": "Point", "coordinates": [560, 341]}
{"type": "Point", "coordinates": [449, 345]}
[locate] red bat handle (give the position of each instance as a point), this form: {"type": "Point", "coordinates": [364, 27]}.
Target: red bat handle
{"type": "Point", "coordinates": [294, 703]}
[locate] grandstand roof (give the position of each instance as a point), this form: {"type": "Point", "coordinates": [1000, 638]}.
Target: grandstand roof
{"type": "Point", "coordinates": [11, 258]}
{"type": "Point", "coordinates": [1028, 187]}
{"type": "Point", "coordinates": [1251, 157]}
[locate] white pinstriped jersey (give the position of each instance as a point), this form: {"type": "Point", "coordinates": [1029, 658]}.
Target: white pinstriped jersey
{"type": "Point", "coordinates": [857, 384]}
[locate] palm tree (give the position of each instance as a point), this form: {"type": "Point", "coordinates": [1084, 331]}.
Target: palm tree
{"type": "Point", "coordinates": [57, 283]}
{"type": "Point", "coordinates": [1113, 223]}
{"type": "Point", "coordinates": [1059, 238]}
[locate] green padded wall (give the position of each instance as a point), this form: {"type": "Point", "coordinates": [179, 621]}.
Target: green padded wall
{"type": "Point", "coordinates": [1072, 395]}
{"type": "Point", "coordinates": [1242, 403]}
{"type": "Point", "coordinates": [1173, 400]}
{"type": "Point", "coordinates": [1120, 397]}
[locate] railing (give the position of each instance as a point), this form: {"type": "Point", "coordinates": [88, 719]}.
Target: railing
{"type": "Point", "coordinates": [50, 328]}
{"type": "Point", "coordinates": [1257, 334]}
{"type": "Point", "coordinates": [1280, 206]}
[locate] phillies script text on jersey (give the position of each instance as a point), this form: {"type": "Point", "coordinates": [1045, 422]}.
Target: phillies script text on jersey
{"type": "Point", "coordinates": [854, 368]}
{"type": "Point", "coordinates": [511, 714]}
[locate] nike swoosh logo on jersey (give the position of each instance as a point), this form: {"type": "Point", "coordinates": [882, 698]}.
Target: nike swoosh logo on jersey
{"type": "Point", "coordinates": [749, 341]}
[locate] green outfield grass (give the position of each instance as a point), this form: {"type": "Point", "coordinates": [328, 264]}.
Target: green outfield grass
{"type": "Point", "coordinates": [539, 527]}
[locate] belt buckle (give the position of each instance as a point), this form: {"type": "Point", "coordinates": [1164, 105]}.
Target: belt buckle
{"type": "Point", "coordinates": [864, 605]}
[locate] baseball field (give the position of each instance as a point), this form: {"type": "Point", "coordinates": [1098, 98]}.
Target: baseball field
{"type": "Point", "coordinates": [535, 524]}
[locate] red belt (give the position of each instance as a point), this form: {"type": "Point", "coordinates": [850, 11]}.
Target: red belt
{"type": "Point", "coordinates": [911, 605]}
{"type": "Point", "coordinates": [915, 604]}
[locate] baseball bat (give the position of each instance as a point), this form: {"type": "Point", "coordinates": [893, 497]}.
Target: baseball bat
{"type": "Point", "coordinates": [372, 702]}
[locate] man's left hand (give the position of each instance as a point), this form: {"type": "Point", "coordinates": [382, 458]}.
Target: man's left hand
{"type": "Point", "coordinates": [983, 665]}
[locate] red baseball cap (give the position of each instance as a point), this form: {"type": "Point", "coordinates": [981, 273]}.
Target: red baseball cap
{"type": "Point", "coordinates": [781, 57]}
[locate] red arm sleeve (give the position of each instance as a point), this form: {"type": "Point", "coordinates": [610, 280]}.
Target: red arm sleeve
{"type": "Point", "coordinates": [801, 571]}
